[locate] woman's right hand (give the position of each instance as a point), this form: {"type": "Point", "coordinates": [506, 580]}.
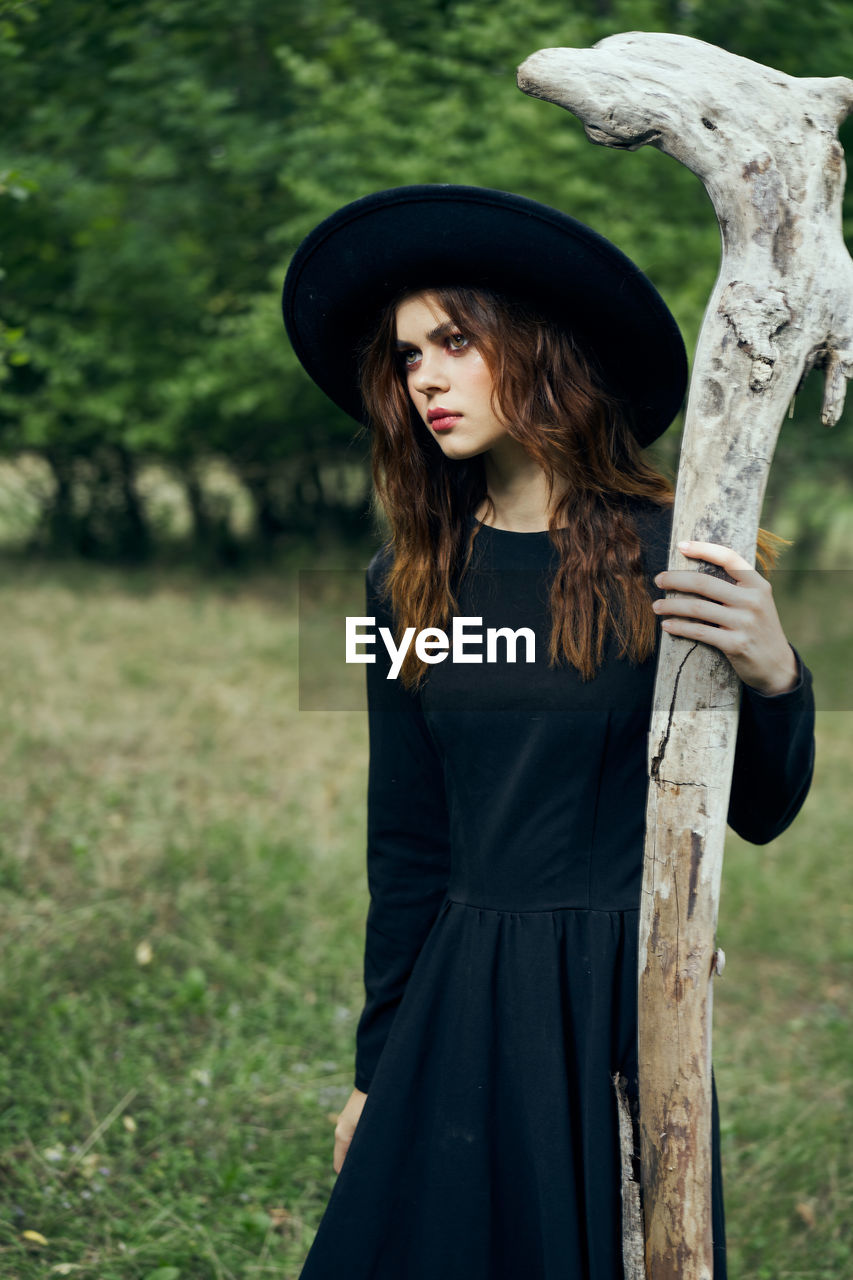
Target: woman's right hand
{"type": "Point", "coordinates": [346, 1124]}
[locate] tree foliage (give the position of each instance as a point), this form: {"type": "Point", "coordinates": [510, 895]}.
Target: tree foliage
{"type": "Point", "coordinates": [162, 159]}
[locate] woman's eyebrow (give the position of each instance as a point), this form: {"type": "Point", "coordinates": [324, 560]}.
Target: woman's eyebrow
{"type": "Point", "coordinates": [440, 331]}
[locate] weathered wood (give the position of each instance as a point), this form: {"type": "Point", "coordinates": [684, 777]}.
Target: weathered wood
{"type": "Point", "coordinates": [633, 1264]}
{"type": "Point", "coordinates": [765, 145]}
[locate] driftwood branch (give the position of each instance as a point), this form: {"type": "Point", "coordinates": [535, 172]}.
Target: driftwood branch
{"type": "Point", "coordinates": [765, 145]}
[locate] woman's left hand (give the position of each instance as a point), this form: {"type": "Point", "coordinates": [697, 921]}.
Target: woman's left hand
{"type": "Point", "coordinates": [737, 617]}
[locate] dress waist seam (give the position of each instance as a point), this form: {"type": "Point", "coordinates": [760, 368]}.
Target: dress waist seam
{"type": "Point", "coordinates": [533, 911]}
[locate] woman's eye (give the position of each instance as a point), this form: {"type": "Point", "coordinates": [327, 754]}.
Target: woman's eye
{"type": "Point", "coordinates": [457, 342]}
{"type": "Point", "coordinates": [409, 358]}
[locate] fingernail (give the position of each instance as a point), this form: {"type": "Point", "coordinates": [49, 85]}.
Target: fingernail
{"type": "Point", "coordinates": [682, 546]}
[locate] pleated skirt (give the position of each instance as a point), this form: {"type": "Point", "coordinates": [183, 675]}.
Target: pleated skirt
{"type": "Point", "coordinates": [488, 1145]}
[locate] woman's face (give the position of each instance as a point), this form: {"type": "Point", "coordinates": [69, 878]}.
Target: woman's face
{"type": "Point", "coordinates": [447, 379]}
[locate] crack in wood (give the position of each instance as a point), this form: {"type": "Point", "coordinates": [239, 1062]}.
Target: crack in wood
{"type": "Point", "coordinates": [656, 760]}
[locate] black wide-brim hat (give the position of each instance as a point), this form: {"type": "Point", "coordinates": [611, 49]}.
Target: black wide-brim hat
{"type": "Point", "coordinates": [368, 253]}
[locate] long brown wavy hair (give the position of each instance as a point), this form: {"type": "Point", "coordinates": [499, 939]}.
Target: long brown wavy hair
{"type": "Point", "coordinates": [554, 402]}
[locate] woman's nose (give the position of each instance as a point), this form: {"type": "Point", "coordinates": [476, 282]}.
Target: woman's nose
{"type": "Point", "coordinates": [430, 374]}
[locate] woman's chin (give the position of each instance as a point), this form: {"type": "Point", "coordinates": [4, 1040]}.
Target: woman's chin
{"type": "Point", "coordinates": [461, 450]}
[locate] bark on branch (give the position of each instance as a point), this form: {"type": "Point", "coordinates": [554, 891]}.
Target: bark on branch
{"type": "Point", "coordinates": [765, 145]}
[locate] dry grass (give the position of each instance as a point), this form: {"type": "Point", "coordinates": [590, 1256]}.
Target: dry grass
{"type": "Point", "coordinates": [161, 787]}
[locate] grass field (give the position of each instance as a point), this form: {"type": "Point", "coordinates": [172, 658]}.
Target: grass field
{"type": "Point", "coordinates": [182, 897]}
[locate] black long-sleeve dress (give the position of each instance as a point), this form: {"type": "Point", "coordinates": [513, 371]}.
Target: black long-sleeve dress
{"type": "Point", "coordinates": [506, 811]}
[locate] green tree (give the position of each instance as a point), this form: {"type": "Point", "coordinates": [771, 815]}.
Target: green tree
{"type": "Point", "coordinates": [174, 152]}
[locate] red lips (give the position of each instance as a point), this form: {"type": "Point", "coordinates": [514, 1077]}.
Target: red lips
{"type": "Point", "coordinates": [441, 419]}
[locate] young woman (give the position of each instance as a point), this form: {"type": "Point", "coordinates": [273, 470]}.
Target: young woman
{"type": "Point", "coordinates": [512, 365]}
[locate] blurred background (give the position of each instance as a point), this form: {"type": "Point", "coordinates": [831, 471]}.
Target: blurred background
{"type": "Point", "coordinates": [182, 887]}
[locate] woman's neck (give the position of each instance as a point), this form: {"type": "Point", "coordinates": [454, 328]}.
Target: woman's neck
{"type": "Point", "coordinates": [518, 489]}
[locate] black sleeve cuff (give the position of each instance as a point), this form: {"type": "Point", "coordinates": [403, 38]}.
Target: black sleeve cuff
{"type": "Point", "coordinates": [784, 702]}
